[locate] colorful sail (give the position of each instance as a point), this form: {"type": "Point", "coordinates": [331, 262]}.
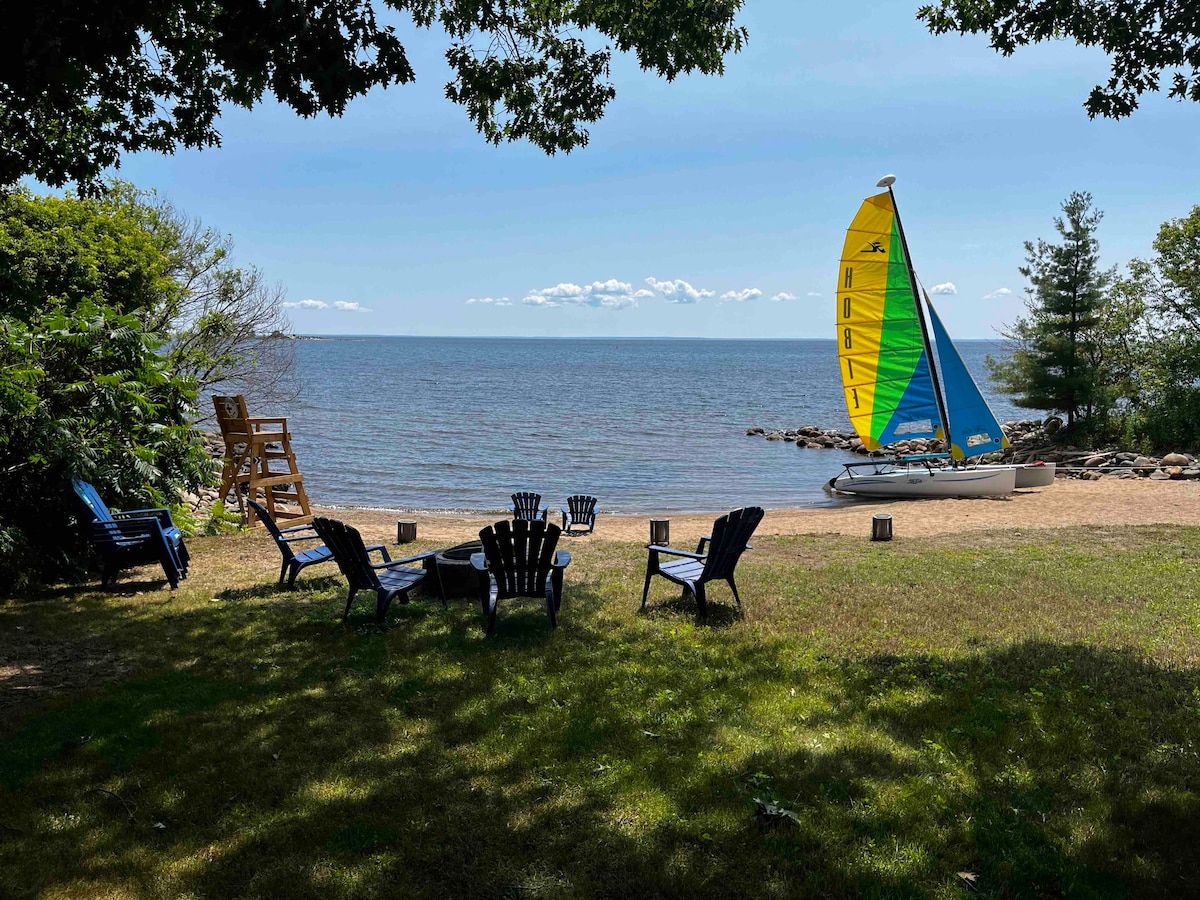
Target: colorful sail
{"type": "Point", "coordinates": [885, 372]}
{"type": "Point", "coordinates": [973, 427]}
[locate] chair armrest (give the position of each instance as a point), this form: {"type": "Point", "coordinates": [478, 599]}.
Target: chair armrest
{"type": "Point", "coordinates": [144, 526]}
{"type": "Point", "coordinates": [479, 562]}
{"type": "Point", "coordinates": [267, 420]}
{"type": "Point", "coordinates": [296, 528]}
{"type": "Point", "coordinates": [301, 537]}
{"type": "Point", "coordinates": [675, 552]}
{"type": "Point", "coordinates": [163, 515]}
{"type": "Point", "coordinates": [429, 554]}
{"type": "Point", "coordinates": [704, 540]}
{"type": "Point", "coordinates": [426, 555]}
{"type": "Point", "coordinates": [382, 551]}
{"type": "Point", "coordinates": [562, 559]}
{"type": "Point", "coordinates": [564, 511]}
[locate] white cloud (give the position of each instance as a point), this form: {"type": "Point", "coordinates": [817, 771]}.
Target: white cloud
{"type": "Point", "coordinates": [678, 291]}
{"type": "Point", "coordinates": [742, 295]}
{"type": "Point", "coordinates": [491, 301]}
{"type": "Point", "coordinates": [946, 287]}
{"type": "Point", "coordinates": [814, 293]}
{"type": "Point", "coordinates": [611, 294]}
{"type": "Point", "coordinates": [997, 294]}
{"type": "Point", "coordinates": [306, 304]}
{"type": "Point", "coordinates": [349, 306]}
{"type": "Point", "coordinates": [785, 295]}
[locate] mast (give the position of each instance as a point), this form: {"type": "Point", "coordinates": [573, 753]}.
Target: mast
{"type": "Point", "coordinates": [887, 181]}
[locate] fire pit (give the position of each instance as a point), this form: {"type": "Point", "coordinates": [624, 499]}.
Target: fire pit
{"type": "Point", "coordinates": [454, 566]}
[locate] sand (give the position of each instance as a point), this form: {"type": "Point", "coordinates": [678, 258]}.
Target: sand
{"type": "Point", "coordinates": [1066, 503]}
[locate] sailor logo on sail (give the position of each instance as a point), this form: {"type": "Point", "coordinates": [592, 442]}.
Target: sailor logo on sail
{"type": "Point", "coordinates": [874, 247]}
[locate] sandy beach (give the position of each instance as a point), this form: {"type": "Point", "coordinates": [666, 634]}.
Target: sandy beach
{"type": "Point", "coordinates": [1066, 503]}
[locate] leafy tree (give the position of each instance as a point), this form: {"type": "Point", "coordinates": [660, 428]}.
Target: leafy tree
{"type": "Point", "coordinates": [80, 85]}
{"type": "Point", "coordinates": [84, 388]}
{"type": "Point", "coordinates": [1168, 287]}
{"type": "Point", "coordinates": [1143, 37]}
{"type": "Point", "coordinates": [1057, 352]}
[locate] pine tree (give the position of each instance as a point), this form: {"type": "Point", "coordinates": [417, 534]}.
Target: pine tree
{"type": "Point", "coordinates": [1052, 367]}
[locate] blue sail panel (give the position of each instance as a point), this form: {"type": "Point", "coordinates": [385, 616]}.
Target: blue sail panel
{"type": "Point", "coordinates": [973, 427]}
{"type": "Point", "coordinates": [916, 415]}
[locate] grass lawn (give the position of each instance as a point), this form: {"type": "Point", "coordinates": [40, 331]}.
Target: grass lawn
{"type": "Point", "coordinates": [994, 714]}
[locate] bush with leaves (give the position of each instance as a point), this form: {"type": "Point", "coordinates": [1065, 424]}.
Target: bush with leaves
{"type": "Point", "coordinates": [85, 389]}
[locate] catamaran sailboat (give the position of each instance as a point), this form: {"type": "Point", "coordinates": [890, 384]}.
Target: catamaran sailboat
{"type": "Point", "coordinates": [891, 380]}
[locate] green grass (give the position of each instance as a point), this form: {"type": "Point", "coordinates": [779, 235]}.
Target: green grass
{"type": "Point", "coordinates": [881, 720]}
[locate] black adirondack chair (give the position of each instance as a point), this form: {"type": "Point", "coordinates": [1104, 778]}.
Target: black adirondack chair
{"type": "Point", "coordinates": [728, 541]}
{"type": "Point", "coordinates": [389, 579]}
{"type": "Point", "coordinates": [132, 538]}
{"type": "Point", "coordinates": [528, 505]}
{"type": "Point", "coordinates": [519, 560]}
{"type": "Point", "coordinates": [579, 515]}
{"type": "Point", "coordinates": [293, 562]}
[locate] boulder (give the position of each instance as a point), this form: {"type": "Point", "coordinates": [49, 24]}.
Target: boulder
{"type": "Point", "coordinates": [756, 430]}
{"type": "Point", "coordinates": [1159, 475]}
{"type": "Point", "coordinates": [1191, 472]}
{"type": "Point", "coordinates": [811, 445]}
{"type": "Point", "coordinates": [1176, 459]}
{"type": "Point", "coordinates": [1143, 462]}
{"type": "Point", "coordinates": [1175, 472]}
{"type": "Point", "coordinates": [1093, 462]}
{"type": "Point", "coordinates": [774, 436]}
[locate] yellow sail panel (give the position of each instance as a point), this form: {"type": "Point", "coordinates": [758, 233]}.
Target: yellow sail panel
{"type": "Point", "coordinates": [885, 374]}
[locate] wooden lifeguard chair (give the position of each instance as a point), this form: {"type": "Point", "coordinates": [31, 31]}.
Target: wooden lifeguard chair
{"type": "Point", "coordinates": [252, 444]}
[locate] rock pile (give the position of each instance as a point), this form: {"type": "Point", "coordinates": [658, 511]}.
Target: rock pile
{"type": "Point", "coordinates": [1029, 439]}
{"type": "Point", "coordinates": [812, 437]}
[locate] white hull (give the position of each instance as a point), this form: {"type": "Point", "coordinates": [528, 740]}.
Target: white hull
{"type": "Point", "coordinates": [918, 481]}
{"type": "Point", "coordinates": [1028, 476]}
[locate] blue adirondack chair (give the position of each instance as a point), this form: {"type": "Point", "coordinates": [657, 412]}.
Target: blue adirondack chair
{"type": "Point", "coordinates": [388, 579]}
{"type": "Point", "coordinates": [715, 559]}
{"type": "Point", "coordinates": [132, 538]}
{"type": "Point", "coordinates": [579, 515]}
{"type": "Point", "coordinates": [519, 560]}
{"type": "Point", "coordinates": [293, 562]}
{"type": "Point", "coordinates": [528, 506]}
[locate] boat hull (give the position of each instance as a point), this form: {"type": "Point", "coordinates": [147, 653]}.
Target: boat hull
{"type": "Point", "coordinates": [1028, 475]}
{"type": "Point", "coordinates": [922, 482]}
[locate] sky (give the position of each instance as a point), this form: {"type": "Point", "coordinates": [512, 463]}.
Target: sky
{"type": "Point", "coordinates": [707, 207]}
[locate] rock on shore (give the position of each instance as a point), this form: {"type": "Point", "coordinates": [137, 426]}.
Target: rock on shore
{"type": "Point", "coordinates": [1030, 440]}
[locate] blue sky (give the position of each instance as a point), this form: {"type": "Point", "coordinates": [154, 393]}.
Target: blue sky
{"type": "Point", "coordinates": [392, 218]}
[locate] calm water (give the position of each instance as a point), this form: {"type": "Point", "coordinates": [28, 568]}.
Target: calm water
{"type": "Point", "coordinates": [645, 425]}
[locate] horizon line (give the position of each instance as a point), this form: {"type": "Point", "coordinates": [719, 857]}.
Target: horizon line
{"type": "Point", "coordinates": [588, 337]}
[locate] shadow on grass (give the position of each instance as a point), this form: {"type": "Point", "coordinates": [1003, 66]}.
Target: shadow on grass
{"type": "Point", "coordinates": [273, 756]}
{"type": "Point", "coordinates": [302, 590]}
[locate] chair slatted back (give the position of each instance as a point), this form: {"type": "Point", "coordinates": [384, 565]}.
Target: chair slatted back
{"type": "Point", "coordinates": [349, 552]}
{"type": "Point", "coordinates": [265, 517]}
{"type": "Point", "coordinates": [581, 507]}
{"type": "Point", "coordinates": [519, 555]}
{"type": "Point", "coordinates": [527, 505]}
{"type": "Point", "coordinates": [91, 501]}
{"type": "Point", "coordinates": [731, 533]}
{"type": "Point", "coordinates": [110, 536]}
{"type": "Point", "coordinates": [231, 417]}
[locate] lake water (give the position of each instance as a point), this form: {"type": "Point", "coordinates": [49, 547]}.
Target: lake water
{"type": "Point", "coordinates": [458, 424]}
